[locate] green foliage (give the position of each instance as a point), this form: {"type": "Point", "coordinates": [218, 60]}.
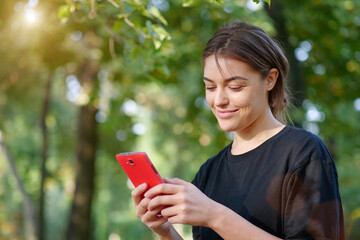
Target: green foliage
{"type": "Point", "coordinates": [258, 1]}
{"type": "Point", "coordinates": [150, 77]}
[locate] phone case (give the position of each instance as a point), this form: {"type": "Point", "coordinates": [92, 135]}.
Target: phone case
{"type": "Point", "coordinates": [139, 168]}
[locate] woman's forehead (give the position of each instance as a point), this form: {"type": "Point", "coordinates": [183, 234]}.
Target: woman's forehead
{"type": "Point", "coordinates": [225, 65]}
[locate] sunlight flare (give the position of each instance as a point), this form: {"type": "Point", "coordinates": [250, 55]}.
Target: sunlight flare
{"type": "Point", "coordinates": [31, 16]}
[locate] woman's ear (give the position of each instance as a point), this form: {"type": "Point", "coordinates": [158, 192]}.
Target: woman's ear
{"type": "Point", "coordinates": [271, 79]}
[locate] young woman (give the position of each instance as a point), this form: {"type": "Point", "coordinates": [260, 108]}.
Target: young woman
{"type": "Point", "coordinates": [273, 181]}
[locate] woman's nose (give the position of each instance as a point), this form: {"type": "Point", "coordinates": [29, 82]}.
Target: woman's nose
{"type": "Point", "coordinates": [221, 98]}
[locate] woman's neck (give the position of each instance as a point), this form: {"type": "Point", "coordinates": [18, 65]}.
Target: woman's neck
{"type": "Point", "coordinates": [257, 133]}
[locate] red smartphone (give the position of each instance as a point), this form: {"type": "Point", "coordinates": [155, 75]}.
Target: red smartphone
{"type": "Point", "coordinates": [139, 168]}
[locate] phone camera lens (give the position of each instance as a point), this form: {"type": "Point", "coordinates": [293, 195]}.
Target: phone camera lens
{"type": "Point", "coordinates": [131, 162]}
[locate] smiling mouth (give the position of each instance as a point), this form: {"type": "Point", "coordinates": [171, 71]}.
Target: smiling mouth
{"type": "Point", "coordinates": [224, 114]}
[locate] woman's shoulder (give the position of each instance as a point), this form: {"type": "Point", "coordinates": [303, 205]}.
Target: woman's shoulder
{"type": "Point", "coordinates": [304, 146]}
{"type": "Point", "coordinates": [300, 137]}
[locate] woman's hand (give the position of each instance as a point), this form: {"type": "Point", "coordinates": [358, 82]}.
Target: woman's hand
{"type": "Point", "coordinates": [150, 218]}
{"type": "Point", "coordinates": [181, 202]}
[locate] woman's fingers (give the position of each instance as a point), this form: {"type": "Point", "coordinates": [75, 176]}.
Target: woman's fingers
{"type": "Point", "coordinates": [137, 193]}
{"type": "Point", "coordinates": [162, 201]}
{"type": "Point", "coordinates": [169, 211]}
{"type": "Point", "coordinates": [177, 181]}
{"type": "Point", "coordinates": [142, 207]}
{"type": "Point", "coordinates": [178, 214]}
{"type": "Point", "coordinates": [172, 186]}
{"type": "Point", "coordinates": [176, 200]}
{"type": "Point", "coordinates": [152, 218]}
{"type": "Point", "coordinates": [143, 212]}
{"type": "Point", "coordinates": [161, 189]}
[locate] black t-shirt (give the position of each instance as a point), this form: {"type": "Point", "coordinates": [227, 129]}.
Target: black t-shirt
{"type": "Point", "coordinates": [287, 186]}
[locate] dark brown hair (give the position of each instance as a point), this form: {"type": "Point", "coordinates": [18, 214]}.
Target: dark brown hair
{"type": "Point", "coordinates": [254, 46]}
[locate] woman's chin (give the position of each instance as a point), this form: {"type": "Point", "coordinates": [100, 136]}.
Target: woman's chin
{"type": "Point", "coordinates": [227, 128]}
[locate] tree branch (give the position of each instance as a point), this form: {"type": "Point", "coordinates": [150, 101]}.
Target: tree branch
{"type": "Point", "coordinates": [132, 25]}
{"type": "Point", "coordinates": [114, 3]}
{"type": "Point", "coordinates": [92, 13]}
{"type": "Point", "coordinates": [29, 213]}
{"type": "Point", "coordinates": [44, 130]}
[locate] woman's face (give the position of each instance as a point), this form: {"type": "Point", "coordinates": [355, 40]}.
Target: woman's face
{"type": "Point", "coordinates": [236, 93]}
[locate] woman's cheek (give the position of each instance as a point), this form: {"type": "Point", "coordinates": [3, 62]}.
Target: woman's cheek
{"type": "Point", "coordinates": [209, 99]}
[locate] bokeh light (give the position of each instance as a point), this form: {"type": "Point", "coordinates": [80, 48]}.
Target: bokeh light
{"type": "Point", "coordinates": [252, 6]}
{"type": "Point", "coordinates": [31, 16]}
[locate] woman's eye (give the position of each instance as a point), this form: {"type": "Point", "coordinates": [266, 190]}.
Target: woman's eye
{"type": "Point", "coordinates": [235, 87]}
{"type": "Point", "coordinates": [210, 88]}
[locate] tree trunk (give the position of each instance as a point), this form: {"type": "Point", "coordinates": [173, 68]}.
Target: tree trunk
{"type": "Point", "coordinates": [44, 152]}
{"type": "Point", "coordinates": [29, 212]}
{"type": "Point", "coordinates": [296, 83]}
{"type": "Point", "coordinates": [80, 217]}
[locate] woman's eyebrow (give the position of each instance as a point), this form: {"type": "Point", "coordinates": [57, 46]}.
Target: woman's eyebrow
{"type": "Point", "coordinates": [228, 79]}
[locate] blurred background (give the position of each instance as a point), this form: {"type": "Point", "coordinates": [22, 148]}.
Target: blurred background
{"type": "Point", "coordinates": [82, 80]}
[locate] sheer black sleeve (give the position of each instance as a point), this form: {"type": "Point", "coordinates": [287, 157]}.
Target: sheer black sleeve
{"type": "Point", "coordinates": [313, 207]}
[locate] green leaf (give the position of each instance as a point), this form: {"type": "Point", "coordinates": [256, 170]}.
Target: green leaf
{"type": "Point", "coordinates": [161, 32]}
{"type": "Point", "coordinates": [157, 43]}
{"type": "Point", "coordinates": [216, 1]}
{"type": "Point", "coordinates": [148, 25]}
{"type": "Point", "coordinates": [188, 3]}
{"type": "Point", "coordinates": [191, 3]}
{"type": "Point", "coordinates": [267, 1]}
{"type": "Point", "coordinates": [118, 25]}
{"type": "Point", "coordinates": [121, 16]}
{"type": "Point", "coordinates": [64, 11]}
{"type": "Point", "coordinates": [157, 14]}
